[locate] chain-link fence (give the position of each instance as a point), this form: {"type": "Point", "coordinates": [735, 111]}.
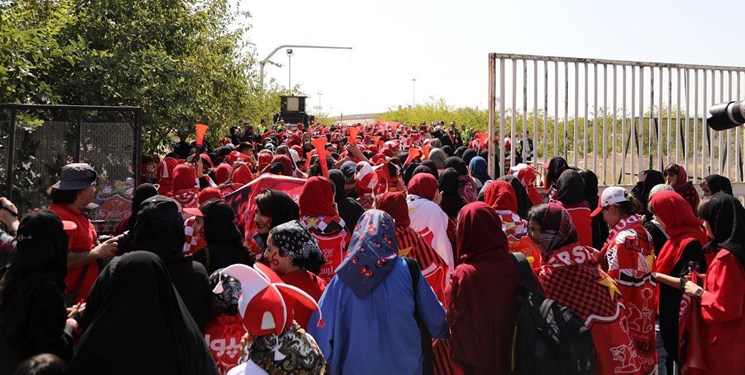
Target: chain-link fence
{"type": "Point", "coordinates": [37, 140]}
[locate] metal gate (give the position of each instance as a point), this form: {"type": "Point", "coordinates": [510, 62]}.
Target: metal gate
{"type": "Point", "coordinates": [37, 140]}
{"type": "Point", "coordinates": [614, 117]}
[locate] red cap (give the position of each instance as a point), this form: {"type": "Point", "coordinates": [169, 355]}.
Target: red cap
{"type": "Point", "coordinates": [193, 211]}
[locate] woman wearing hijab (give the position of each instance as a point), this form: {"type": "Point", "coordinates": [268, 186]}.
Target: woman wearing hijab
{"type": "Point", "coordinates": [32, 310]}
{"type": "Point", "coordinates": [627, 257]}
{"type": "Point", "coordinates": [427, 218]}
{"type": "Point", "coordinates": [224, 241]}
{"type": "Point", "coordinates": [554, 168]}
{"type": "Point", "coordinates": [438, 157]}
{"type": "Point", "coordinates": [571, 276]}
{"type": "Point", "coordinates": [224, 332]}
{"type": "Point", "coordinates": [135, 323]}
{"type": "Point", "coordinates": [293, 253]}
{"type": "Point", "coordinates": [141, 193]}
{"type": "Point", "coordinates": [432, 168]}
{"type": "Point", "coordinates": [481, 303]}
{"type": "Point", "coordinates": [160, 230]}
{"type": "Point", "coordinates": [570, 194]}
{"type": "Point", "coordinates": [647, 180]}
{"type": "Point", "coordinates": [478, 169]}
{"type": "Point", "coordinates": [685, 244]}
{"type": "Point", "coordinates": [524, 204]}
{"type": "Point", "coordinates": [184, 189]}
{"type": "Point", "coordinates": [318, 213]}
{"type": "Point", "coordinates": [364, 332]}
{"type": "Point", "coordinates": [451, 201]}
{"type": "Point", "coordinates": [676, 176]}
{"type": "Point", "coordinates": [715, 183]}
{"type": "Point", "coordinates": [413, 245]}
{"type": "Point", "coordinates": [466, 184]}
{"type": "Point", "coordinates": [349, 209]}
{"type": "Point", "coordinates": [273, 207]}
{"type": "Point", "coordinates": [599, 227]}
{"type": "Point", "coordinates": [500, 196]}
{"type": "Point", "coordinates": [468, 155]}
{"type": "Point", "coordinates": [722, 304]}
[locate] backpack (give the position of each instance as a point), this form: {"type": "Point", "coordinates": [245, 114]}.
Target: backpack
{"type": "Point", "coordinates": [548, 338]}
{"type": "Point", "coordinates": [427, 352]}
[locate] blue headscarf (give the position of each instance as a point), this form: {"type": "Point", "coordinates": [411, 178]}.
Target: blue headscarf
{"type": "Point", "coordinates": [371, 253]}
{"type": "Point", "coordinates": [478, 169]}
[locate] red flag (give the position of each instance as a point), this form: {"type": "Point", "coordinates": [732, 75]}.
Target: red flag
{"type": "Point", "coordinates": [353, 131]}
{"type": "Point", "coordinates": [320, 144]}
{"type": "Point", "coordinates": [414, 152]}
{"type": "Point", "coordinates": [483, 139]}
{"type": "Point", "coordinates": [426, 150]}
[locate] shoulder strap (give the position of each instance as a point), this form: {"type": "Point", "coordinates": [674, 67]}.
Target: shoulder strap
{"type": "Point", "coordinates": [413, 266]}
{"type": "Point", "coordinates": [79, 283]}
{"type": "Point", "coordinates": [526, 273]}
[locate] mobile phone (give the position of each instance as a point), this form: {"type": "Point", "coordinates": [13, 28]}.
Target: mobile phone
{"type": "Point", "coordinates": [259, 241]}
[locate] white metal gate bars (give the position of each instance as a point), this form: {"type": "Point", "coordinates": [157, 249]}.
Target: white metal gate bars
{"type": "Point", "coordinates": [614, 117]}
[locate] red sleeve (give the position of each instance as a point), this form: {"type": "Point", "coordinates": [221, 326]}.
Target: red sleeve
{"type": "Point", "coordinates": [725, 286]}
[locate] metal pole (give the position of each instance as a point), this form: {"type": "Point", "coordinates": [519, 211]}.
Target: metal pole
{"type": "Point", "coordinates": [492, 113]}
{"type": "Point", "coordinates": [413, 92]}
{"type": "Point", "coordinates": [263, 62]}
{"type": "Point", "coordinates": [289, 71]}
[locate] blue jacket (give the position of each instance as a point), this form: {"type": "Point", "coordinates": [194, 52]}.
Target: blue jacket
{"type": "Point", "coordinates": [377, 334]}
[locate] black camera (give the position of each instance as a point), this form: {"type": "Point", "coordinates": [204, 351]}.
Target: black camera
{"type": "Point", "coordinates": [726, 115]}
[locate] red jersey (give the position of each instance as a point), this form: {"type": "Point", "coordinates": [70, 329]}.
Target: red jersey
{"type": "Point", "coordinates": [82, 239]}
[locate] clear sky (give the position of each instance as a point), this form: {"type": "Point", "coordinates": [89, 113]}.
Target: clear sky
{"type": "Point", "coordinates": [444, 44]}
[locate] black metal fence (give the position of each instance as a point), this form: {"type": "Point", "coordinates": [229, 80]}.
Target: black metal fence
{"type": "Point", "coordinates": [37, 140]}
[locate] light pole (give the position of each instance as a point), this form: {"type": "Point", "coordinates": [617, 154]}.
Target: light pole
{"type": "Point", "coordinates": [262, 63]}
{"type": "Point", "coordinates": [413, 92]}
{"type": "Point", "coordinates": [320, 94]}
{"type": "Point", "coordinates": [289, 69]}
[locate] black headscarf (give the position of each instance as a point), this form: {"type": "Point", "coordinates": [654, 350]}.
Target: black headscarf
{"type": "Point", "coordinates": [224, 240]}
{"type": "Point", "coordinates": [142, 192]}
{"type": "Point", "coordinates": [460, 151]}
{"type": "Point", "coordinates": [296, 242]}
{"type": "Point", "coordinates": [408, 172]}
{"type": "Point", "coordinates": [571, 187]}
{"type": "Point", "coordinates": [41, 256]}
{"type": "Point", "coordinates": [600, 228]}
{"type": "Point", "coordinates": [556, 166]}
{"type": "Point", "coordinates": [284, 209]}
{"type": "Point", "coordinates": [138, 324]}
{"type": "Point", "coordinates": [469, 154]}
{"type": "Point", "coordinates": [458, 164]}
{"type": "Point", "coordinates": [160, 228]}
{"type": "Point", "coordinates": [349, 210]}
{"type": "Point", "coordinates": [726, 216]}
{"type": "Point", "coordinates": [643, 188]}
{"type": "Point", "coordinates": [448, 150]}
{"type": "Point", "coordinates": [432, 167]}
{"type": "Point", "coordinates": [717, 183]}
{"type": "Point", "coordinates": [451, 201]}
{"type": "Point", "coordinates": [523, 201]}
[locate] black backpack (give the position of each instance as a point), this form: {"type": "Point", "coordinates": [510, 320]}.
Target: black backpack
{"type": "Point", "coordinates": [427, 352]}
{"type": "Point", "coordinates": [548, 338]}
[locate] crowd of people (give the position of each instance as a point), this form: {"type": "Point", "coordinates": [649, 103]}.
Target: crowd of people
{"type": "Point", "coordinates": [392, 257]}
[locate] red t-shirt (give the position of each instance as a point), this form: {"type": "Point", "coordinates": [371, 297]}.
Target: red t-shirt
{"type": "Point", "coordinates": [309, 283]}
{"type": "Point", "coordinates": [82, 239]}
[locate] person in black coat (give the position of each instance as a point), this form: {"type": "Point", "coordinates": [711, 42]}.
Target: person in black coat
{"type": "Point", "coordinates": [224, 241]}
{"type": "Point", "coordinates": [32, 309]}
{"type": "Point", "coordinates": [349, 209]}
{"type": "Point", "coordinates": [160, 230]}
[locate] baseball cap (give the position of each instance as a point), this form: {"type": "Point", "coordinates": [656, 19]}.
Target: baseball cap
{"type": "Point", "coordinates": [611, 195]}
{"type": "Point", "coordinates": [76, 176]}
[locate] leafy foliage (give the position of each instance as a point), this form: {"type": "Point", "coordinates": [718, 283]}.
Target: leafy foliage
{"type": "Point", "coordinates": [184, 61]}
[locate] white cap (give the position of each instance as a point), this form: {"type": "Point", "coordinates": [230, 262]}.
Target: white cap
{"type": "Point", "coordinates": [611, 195]}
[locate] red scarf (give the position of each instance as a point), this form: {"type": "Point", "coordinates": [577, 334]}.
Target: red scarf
{"type": "Point", "coordinates": [680, 226]}
{"type": "Point", "coordinates": [317, 198]}
{"type": "Point", "coordinates": [394, 203]}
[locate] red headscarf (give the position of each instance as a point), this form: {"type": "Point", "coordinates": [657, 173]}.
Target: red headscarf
{"type": "Point", "coordinates": [394, 203]}
{"type": "Point", "coordinates": [685, 189]}
{"type": "Point", "coordinates": [681, 226]}
{"type": "Point", "coordinates": [184, 178]}
{"type": "Point", "coordinates": [265, 159]}
{"type": "Point", "coordinates": [207, 194]}
{"type": "Point", "coordinates": [424, 185]}
{"type": "Point", "coordinates": [222, 173]}
{"type": "Point", "coordinates": [286, 162]}
{"type": "Point", "coordinates": [242, 175]}
{"type": "Point", "coordinates": [317, 198]}
{"type": "Point", "coordinates": [500, 196]}
{"type": "Point", "coordinates": [476, 234]}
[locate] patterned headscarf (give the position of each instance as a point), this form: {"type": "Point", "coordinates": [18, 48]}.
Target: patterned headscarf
{"type": "Point", "coordinates": [556, 229]}
{"type": "Point", "coordinates": [371, 253]}
{"type": "Point", "coordinates": [227, 301]}
{"type": "Point", "coordinates": [295, 241]}
{"type": "Point", "coordinates": [301, 353]}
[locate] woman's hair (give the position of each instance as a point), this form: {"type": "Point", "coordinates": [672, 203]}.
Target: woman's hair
{"type": "Point", "coordinates": [537, 213]}
{"type": "Point", "coordinates": [264, 202]}
{"type": "Point", "coordinates": [42, 364]}
{"type": "Point", "coordinates": [630, 207]}
{"type": "Point", "coordinates": [671, 169]}
{"type": "Point", "coordinates": [62, 196]}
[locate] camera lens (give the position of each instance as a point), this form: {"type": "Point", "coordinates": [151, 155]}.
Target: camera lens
{"type": "Point", "coordinates": [726, 115]}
